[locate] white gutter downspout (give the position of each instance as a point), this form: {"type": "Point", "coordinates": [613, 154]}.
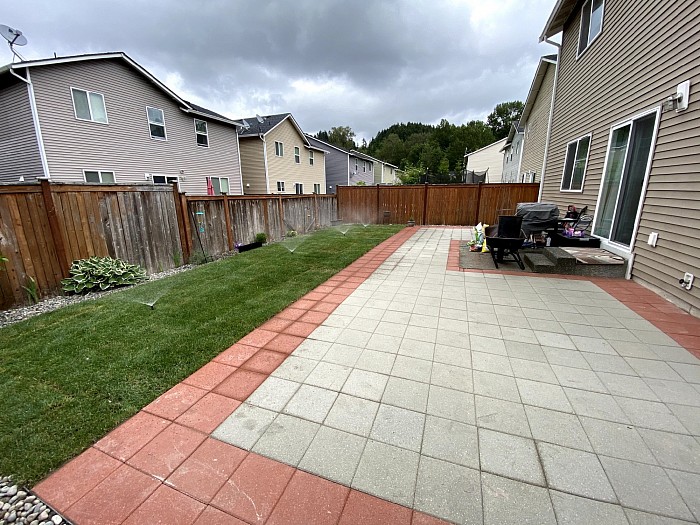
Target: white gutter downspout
{"type": "Point", "coordinates": [267, 177]}
{"type": "Point", "coordinates": [240, 168]}
{"type": "Point", "coordinates": [551, 115]}
{"type": "Point", "coordinates": [35, 118]}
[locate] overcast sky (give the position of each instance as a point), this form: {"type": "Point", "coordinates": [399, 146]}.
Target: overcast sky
{"type": "Point", "coordinates": [363, 63]}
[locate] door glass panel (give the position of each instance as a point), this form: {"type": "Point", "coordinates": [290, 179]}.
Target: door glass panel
{"type": "Point", "coordinates": [611, 181]}
{"type": "Point", "coordinates": [633, 180]}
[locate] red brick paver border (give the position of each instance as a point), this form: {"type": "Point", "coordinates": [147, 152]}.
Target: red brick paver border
{"type": "Point", "coordinates": [162, 466]}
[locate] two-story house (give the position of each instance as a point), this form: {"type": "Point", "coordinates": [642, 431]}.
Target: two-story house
{"type": "Point", "coordinates": [104, 119]}
{"type": "Point", "coordinates": [487, 160]}
{"type": "Point", "coordinates": [512, 154]}
{"type": "Point", "coordinates": [344, 167]}
{"type": "Point", "coordinates": [535, 119]}
{"type": "Point", "coordinates": [277, 157]}
{"type": "Point", "coordinates": [624, 137]}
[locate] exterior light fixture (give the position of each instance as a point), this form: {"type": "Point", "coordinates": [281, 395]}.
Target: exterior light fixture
{"type": "Point", "coordinates": [679, 100]}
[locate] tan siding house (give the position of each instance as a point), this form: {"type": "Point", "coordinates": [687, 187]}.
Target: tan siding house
{"type": "Point", "coordinates": [116, 137]}
{"type": "Point", "coordinates": [487, 158]}
{"type": "Point", "coordinates": [276, 157]}
{"type": "Point", "coordinates": [612, 147]}
{"type": "Point", "coordinates": [535, 119]}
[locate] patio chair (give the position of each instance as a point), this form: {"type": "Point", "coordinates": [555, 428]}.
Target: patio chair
{"type": "Point", "coordinates": [505, 239]}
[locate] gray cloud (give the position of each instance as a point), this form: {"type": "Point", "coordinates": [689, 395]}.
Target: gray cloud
{"type": "Point", "coordinates": [330, 62]}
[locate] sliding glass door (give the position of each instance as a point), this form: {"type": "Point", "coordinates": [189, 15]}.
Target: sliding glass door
{"type": "Point", "coordinates": [629, 153]}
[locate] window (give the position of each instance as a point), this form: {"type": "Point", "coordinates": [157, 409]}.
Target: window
{"type": "Point", "coordinates": [591, 23]}
{"type": "Point", "coordinates": [279, 149]}
{"type": "Point", "coordinates": [311, 158]}
{"type": "Point", "coordinates": [164, 179]}
{"type": "Point", "coordinates": [355, 165]}
{"type": "Point", "coordinates": [298, 188]}
{"type": "Point", "coordinates": [217, 185]}
{"type": "Point", "coordinates": [280, 186]}
{"type": "Point", "coordinates": [297, 155]}
{"type": "Point", "coordinates": [575, 164]}
{"type": "Point", "coordinates": [156, 123]}
{"type": "Point", "coordinates": [99, 177]}
{"type": "Point", "coordinates": [89, 106]}
{"type": "Point", "coordinates": [202, 133]}
{"type": "Point", "coordinates": [364, 166]}
{"type": "Point", "coordinates": [317, 188]}
{"type": "Point", "coordinates": [370, 167]}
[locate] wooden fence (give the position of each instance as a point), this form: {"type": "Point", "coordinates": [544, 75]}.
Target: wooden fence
{"type": "Point", "coordinates": [450, 204]}
{"type": "Point", "coordinates": [44, 227]}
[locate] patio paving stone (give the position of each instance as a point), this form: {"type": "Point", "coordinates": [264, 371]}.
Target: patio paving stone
{"type": "Point", "coordinates": [575, 510]}
{"type": "Point", "coordinates": [510, 502]}
{"type": "Point", "coordinates": [512, 456]}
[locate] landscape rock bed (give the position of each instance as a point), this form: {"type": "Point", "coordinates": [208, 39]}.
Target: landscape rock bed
{"type": "Point", "coordinates": [19, 506]}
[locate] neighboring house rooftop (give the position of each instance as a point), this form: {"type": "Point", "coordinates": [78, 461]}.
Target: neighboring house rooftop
{"type": "Point", "coordinates": [560, 14]}
{"type": "Point", "coordinates": [185, 106]}
{"type": "Point", "coordinates": [256, 128]}
{"type": "Point", "coordinates": [545, 61]}
{"type": "Point", "coordinates": [514, 128]}
{"type": "Point", "coordinates": [488, 146]}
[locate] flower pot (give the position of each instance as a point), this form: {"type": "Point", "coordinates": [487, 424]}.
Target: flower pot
{"type": "Point", "coordinates": [247, 247]}
{"type": "Point", "coordinates": [411, 223]}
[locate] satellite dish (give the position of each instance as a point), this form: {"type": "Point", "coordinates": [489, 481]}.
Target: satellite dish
{"type": "Point", "coordinates": [246, 126]}
{"type": "Point", "coordinates": [260, 119]}
{"type": "Point", "coordinates": [14, 37]}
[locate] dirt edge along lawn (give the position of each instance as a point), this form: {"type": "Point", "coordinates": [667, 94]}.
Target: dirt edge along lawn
{"type": "Point", "coordinates": [69, 376]}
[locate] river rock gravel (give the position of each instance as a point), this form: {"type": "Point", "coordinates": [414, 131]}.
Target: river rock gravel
{"type": "Point", "coordinates": [18, 506]}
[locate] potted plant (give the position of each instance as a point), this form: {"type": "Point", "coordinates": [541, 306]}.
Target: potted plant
{"type": "Point", "coordinates": [260, 239]}
{"type": "Point", "coordinates": [411, 222]}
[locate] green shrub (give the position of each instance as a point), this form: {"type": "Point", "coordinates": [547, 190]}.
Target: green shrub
{"type": "Point", "coordinates": [292, 233]}
{"type": "Point", "coordinates": [101, 273]}
{"type": "Point", "coordinates": [261, 237]}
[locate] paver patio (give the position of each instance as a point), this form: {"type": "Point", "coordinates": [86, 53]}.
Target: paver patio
{"type": "Point", "coordinates": [404, 390]}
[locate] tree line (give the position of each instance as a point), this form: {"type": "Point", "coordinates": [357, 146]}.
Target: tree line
{"type": "Point", "coordinates": [426, 152]}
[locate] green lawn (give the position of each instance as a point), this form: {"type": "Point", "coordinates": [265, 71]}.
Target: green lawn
{"type": "Point", "coordinates": [70, 376]}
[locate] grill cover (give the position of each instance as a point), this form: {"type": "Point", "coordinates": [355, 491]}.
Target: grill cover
{"type": "Point", "coordinates": [537, 216]}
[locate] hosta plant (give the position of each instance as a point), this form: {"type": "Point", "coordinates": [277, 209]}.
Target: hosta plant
{"type": "Point", "coordinates": [101, 273]}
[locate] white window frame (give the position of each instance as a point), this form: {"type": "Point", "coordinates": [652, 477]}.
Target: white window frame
{"type": "Point", "coordinates": [298, 186]}
{"type": "Point", "coordinates": [88, 93]}
{"type": "Point", "coordinates": [311, 157]}
{"type": "Point", "coordinates": [100, 172]}
{"type": "Point", "coordinates": [280, 186]}
{"type": "Point", "coordinates": [612, 246]}
{"type": "Point", "coordinates": [279, 149]}
{"type": "Point", "coordinates": [588, 4]}
{"type": "Point", "coordinates": [585, 166]}
{"type": "Point", "coordinates": [148, 118]}
{"type": "Point", "coordinates": [197, 133]}
{"type": "Point", "coordinates": [153, 176]}
{"type": "Point", "coordinates": [219, 183]}
{"type": "Point", "coordinates": [297, 155]}
{"type": "Point", "coordinates": [364, 166]}
{"type": "Point", "coordinates": [317, 187]}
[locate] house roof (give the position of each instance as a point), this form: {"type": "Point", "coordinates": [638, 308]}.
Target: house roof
{"type": "Point", "coordinates": [310, 137]}
{"type": "Point", "coordinates": [514, 128]}
{"type": "Point", "coordinates": [560, 14]}
{"type": "Point", "coordinates": [269, 122]}
{"type": "Point", "coordinates": [542, 67]}
{"type": "Point", "coordinates": [187, 107]}
{"type": "Point", "coordinates": [498, 142]}
{"type": "Point", "coordinates": [369, 157]}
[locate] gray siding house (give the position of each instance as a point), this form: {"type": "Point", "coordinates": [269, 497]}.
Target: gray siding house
{"type": "Point", "coordinates": [624, 138]}
{"type": "Point", "coordinates": [343, 167]}
{"type": "Point", "coordinates": [102, 118]}
{"type": "Point", "coordinates": [512, 154]}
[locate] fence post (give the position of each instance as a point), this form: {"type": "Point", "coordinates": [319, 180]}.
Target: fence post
{"type": "Point", "coordinates": [478, 204]}
{"type": "Point", "coordinates": [186, 222]}
{"type": "Point", "coordinates": [376, 217]}
{"type": "Point", "coordinates": [280, 208]}
{"type": "Point", "coordinates": [181, 217]}
{"type": "Point", "coordinates": [425, 205]}
{"type": "Point", "coordinates": [55, 228]}
{"type": "Point", "coordinates": [266, 216]}
{"type": "Point", "coordinates": [317, 223]}
{"type": "Point", "coordinates": [229, 230]}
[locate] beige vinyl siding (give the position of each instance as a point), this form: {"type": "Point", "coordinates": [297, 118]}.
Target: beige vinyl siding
{"type": "Point", "coordinates": [19, 149]}
{"type": "Point", "coordinates": [643, 52]}
{"type": "Point", "coordinates": [253, 165]}
{"type": "Point", "coordinates": [124, 145]}
{"type": "Point", "coordinates": [536, 127]}
{"type": "Point", "coordinates": [489, 157]}
{"type": "Point", "coordinates": [284, 168]}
